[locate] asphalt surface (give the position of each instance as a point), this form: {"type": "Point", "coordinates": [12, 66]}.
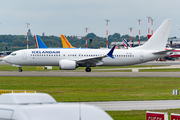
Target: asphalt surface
{"type": "Point", "coordinates": [2, 62]}
{"type": "Point", "coordinates": [136, 105]}
{"type": "Point", "coordinates": [95, 73]}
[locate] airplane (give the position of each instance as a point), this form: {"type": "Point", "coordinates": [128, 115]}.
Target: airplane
{"type": "Point", "coordinates": [40, 44]}
{"type": "Point", "coordinates": [175, 53]}
{"type": "Point", "coordinates": [70, 59]}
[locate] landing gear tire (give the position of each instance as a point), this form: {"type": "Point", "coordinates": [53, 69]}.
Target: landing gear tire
{"type": "Point", "coordinates": [88, 69]}
{"type": "Point", "coordinates": [20, 70]}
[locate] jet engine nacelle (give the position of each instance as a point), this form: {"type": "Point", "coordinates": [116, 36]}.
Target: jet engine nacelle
{"type": "Point", "coordinates": [67, 65]}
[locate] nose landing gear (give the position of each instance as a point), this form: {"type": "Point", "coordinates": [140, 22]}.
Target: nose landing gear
{"type": "Point", "coordinates": [20, 69]}
{"type": "Point", "coordinates": [88, 69]}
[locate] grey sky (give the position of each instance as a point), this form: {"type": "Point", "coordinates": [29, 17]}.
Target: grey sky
{"type": "Point", "coordinates": [70, 17]}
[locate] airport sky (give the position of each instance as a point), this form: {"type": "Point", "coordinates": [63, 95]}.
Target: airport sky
{"type": "Point", "coordinates": [70, 17]}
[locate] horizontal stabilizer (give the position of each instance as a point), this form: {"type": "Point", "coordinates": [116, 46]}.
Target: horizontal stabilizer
{"type": "Point", "coordinates": [163, 52]}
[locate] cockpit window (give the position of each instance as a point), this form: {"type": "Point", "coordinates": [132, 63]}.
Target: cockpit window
{"type": "Point", "coordinates": [13, 54]}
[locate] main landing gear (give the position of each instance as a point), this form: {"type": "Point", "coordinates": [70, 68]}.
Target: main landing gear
{"type": "Point", "coordinates": [88, 69]}
{"type": "Point", "coordinates": [20, 69]}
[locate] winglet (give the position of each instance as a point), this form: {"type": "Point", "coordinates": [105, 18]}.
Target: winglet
{"type": "Point", "coordinates": [65, 42]}
{"type": "Point", "coordinates": [110, 54]}
{"type": "Point", "coordinates": [39, 42]}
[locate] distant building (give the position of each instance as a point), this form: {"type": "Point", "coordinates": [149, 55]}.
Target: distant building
{"type": "Point", "coordinates": [173, 43]}
{"type": "Point", "coordinates": [43, 34]}
{"type": "Point", "coordinates": [120, 45]}
{"type": "Point", "coordinates": [29, 33]}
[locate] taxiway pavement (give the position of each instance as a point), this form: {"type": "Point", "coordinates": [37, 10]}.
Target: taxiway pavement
{"type": "Point", "coordinates": [95, 73]}
{"type": "Point", "coordinates": [136, 105]}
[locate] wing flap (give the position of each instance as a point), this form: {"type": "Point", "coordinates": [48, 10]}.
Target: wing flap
{"type": "Point", "coordinates": [91, 60]}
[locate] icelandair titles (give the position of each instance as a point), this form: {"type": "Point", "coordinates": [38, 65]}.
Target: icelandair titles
{"type": "Point", "coordinates": [43, 52]}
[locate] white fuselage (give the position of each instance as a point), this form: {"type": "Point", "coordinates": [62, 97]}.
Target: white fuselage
{"type": "Point", "coordinates": [51, 57]}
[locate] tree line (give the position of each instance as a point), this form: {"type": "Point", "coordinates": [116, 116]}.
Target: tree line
{"type": "Point", "coordinates": [16, 42]}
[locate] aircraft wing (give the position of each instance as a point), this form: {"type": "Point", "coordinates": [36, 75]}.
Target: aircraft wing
{"type": "Point", "coordinates": [163, 52]}
{"type": "Point", "coordinates": [90, 61]}
{"type": "Point", "coordinates": [93, 61]}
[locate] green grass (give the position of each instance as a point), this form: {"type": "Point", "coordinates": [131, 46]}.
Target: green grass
{"type": "Point", "coordinates": [137, 114]}
{"type": "Point", "coordinates": [25, 68]}
{"type": "Point", "coordinates": [68, 89]}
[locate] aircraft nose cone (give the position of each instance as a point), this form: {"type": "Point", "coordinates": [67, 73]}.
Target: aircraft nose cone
{"type": "Point", "coordinates": [6, 59]}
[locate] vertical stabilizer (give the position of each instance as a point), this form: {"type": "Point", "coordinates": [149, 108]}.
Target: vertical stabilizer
{"type": "Point", "coordinates": [37, 45]}
{"type": "Point", "coordinates": [65, 42]}
{"type": "Point", "coordinates": [125, 43]}
{"type": "Point", "coordinates": [39, 42]}
{"type": "Point", "coordinates": [159, 39]}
